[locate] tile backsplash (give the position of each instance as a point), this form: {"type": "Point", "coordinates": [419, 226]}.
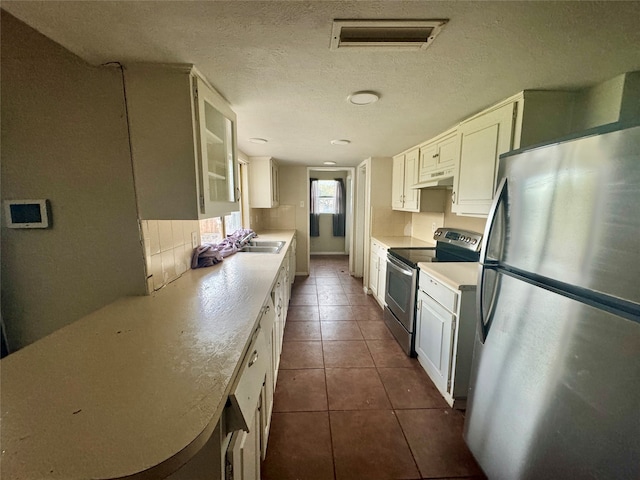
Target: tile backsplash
{"type": "Point", "coordinates": [168, 249]}
{"type": "Point", "coordinates": [386, 222]}
{"type": "Point", "coordinates": [282, 217]}
{"type": "Point", "coordinates": [423, 224]}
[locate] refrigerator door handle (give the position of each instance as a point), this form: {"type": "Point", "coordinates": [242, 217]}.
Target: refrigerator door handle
{"type": "Point", "coordinates": [490, 256]}
{"type": "Point", "coordinates": [501, 195]}
{"type": "Point", "coordinates": [485, 299]}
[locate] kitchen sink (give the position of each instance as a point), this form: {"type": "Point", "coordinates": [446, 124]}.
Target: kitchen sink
{"type": "Point", "coordinates": [257, 246]}
{"type": "Point", "coordinates": [265, 243]}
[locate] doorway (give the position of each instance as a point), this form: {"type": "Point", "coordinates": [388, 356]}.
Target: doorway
{"type": "Point", "coordinates": [326, 235]}
{"type": "Point", "coordinates": [356, 264]}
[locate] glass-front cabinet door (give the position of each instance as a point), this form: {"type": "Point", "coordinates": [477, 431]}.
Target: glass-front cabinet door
{"type": "Point", "coordinates": [218, 167]}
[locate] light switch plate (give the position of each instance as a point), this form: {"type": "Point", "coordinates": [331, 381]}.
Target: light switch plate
{"type": "Point", "coordinates": [194, 239]}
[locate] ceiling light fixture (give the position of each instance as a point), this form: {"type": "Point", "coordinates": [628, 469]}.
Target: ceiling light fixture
{"type": "Point", "coordinates": [363, 98]}
{"type": "Point", "coordinates": [329, 163]}
{"type": "Point", "coordinates": [258, 140]}
{"type": "Point", "coordinates": [340, 142]}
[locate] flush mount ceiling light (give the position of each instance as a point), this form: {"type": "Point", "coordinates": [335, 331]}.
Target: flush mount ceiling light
{"type": "Point", "coordinates": [363, 98]}
{"type": "Point", "coordinates": [329, 163]}
{"type": "Point", "coordinates": [340, 142]}
{"type": "Point", "coordinates": [385, 34]}
{"type": "Point", "coordinates": [258, 140]}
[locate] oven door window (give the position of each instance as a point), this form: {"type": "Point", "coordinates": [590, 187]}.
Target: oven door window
{"type": "Point", "coordinates": [399, 289]}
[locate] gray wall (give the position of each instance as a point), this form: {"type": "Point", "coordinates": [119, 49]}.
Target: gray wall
{"type": "Point", "coordinates": [64, 138]}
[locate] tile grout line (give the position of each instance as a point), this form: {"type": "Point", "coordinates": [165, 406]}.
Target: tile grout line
{"type": "Point", "coordinates": [395, 415]}
{"type": "Point", "coordinates": [326, 390]}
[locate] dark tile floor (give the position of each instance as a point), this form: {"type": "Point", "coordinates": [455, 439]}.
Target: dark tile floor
{"type": "Point", "coordinates": [349, 404]}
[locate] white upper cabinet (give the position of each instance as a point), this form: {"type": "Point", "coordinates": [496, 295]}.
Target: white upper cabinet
{"type": "Point", "coordinates": [183, 142]}
{"type": "Point", "coordinates": [404, 176]}
{"type": "Point", "coordinates": [264, 182]}
{"type": "Point", "coordinates": [439, 157]}
{"type": "Point", "coordinates": [522, 120]}
{"type": "Point", "coordinates": [397, 183]}
{"type": "Point", "coordinates": [483, 139]}
{"type": "Point", "coordinates": [218, 188]}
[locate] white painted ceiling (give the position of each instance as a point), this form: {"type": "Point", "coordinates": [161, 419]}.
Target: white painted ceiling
{"type": "Point", "coordinates": [271, 61]}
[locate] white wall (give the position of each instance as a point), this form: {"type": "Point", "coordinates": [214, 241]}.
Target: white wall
{"type": "Point", "coordinates": [617, 99]}
{"type": "Point", "coordinates": [64, 137]}
{"type": "Point", "coordinates": [598, 105]}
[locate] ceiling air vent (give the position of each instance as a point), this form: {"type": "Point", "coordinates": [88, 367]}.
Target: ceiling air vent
{"type": "Point", "coordinates": [385, 34]}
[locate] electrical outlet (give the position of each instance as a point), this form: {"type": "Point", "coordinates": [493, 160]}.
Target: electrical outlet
{"type": "Point", "coordinates": [301, 203]}
{"type": "Point", "coordinates": [434, 227]}
{"type": "Point", "coordinates": [194, 239]}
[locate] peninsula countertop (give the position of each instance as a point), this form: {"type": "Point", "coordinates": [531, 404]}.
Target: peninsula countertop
{"type": "Point", "coordinates": [136, 388]}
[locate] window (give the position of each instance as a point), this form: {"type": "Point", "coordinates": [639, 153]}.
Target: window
{"type": "Point", "coordinates": [327, 196]}
{"type": "Point", "coordinates": [211, 230]}
{"type": "Point", "coordinates": [232, 222]}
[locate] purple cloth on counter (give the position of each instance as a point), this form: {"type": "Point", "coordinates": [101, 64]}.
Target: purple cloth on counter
{"type": "Point", "coordinates": [209, 254]}
{"type": "Point", "coordinates": [205, 255]}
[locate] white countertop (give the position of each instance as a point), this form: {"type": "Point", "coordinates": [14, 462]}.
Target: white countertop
{"type": "Point", "coordinates": [456, 275]}
{"type": "Point", "coordinates": [403, 242]}
{"type": "Point", "coordinates": [137, 386]}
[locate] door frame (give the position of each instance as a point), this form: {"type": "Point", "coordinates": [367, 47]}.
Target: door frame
{"type": "Point", "coordinates": [349, 219]}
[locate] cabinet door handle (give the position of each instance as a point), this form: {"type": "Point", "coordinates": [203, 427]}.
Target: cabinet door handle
{"type": "Point", "coordinates": [254, 358]}
{"type": "Point", "coordinates": [453, 197]}
{"type": "Point", "coordinates": [435, 155]}
{"type": "Point", "coordinates": [239, 194]}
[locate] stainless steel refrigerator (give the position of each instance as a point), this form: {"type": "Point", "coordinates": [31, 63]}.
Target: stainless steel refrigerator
{"type": "Point", "coordinates": [555, 388]}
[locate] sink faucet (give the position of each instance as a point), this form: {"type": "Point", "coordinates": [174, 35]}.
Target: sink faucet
{"type": "Point", "coordinates": [247, 238]}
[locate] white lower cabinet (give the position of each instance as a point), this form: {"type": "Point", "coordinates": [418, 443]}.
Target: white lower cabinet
{"type": "Point", "coordinates": [243, 454]}
{"type": "Point", "coordinates": [378, 271]}
{"type": "Point", "coordinates": [292, 261]}
{"type": "Point", "coordinates": [239, 443]}
{"type": "Point", "coordinates": [268, 324]}
{"type": "Point", "coordinates": [382, 275]}
{"type": "Point", "coordinates": [278, 294]}
{"type": "Point", "coordinates": [373, 270]}
{"type": "Point", "coordinates": [445, 334]}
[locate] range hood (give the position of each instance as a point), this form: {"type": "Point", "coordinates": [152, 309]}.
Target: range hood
{"type": "Point", "coordinates": [442, 178]}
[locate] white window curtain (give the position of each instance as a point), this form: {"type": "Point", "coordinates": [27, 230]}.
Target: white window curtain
{"type": "Point", "coordinates": [340, 207]}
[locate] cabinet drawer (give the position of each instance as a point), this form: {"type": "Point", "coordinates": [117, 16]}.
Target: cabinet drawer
{"type": "Point", "coordinates": [436, 290]}
{"type": "Point", "coordinates": [375, 247]}
{"type": "Point", "coordinates": [246, 389]}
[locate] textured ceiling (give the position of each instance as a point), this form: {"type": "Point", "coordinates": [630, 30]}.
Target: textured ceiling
{"type": "Point", "coordinates": [272, 62]}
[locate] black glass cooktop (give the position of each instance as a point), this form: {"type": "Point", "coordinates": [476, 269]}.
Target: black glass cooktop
{"type": "Point", "coordinates": [443, 253]}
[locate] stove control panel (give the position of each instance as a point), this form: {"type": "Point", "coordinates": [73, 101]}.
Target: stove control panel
{"type": "Point", "coordinates": [459, 238]}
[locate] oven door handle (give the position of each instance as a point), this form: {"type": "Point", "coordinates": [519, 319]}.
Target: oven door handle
{"type": "Point", "coordinates": [399, 266]}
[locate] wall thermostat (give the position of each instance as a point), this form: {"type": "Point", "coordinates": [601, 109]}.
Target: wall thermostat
{"type": "Point", "coordinates": [27, 213]}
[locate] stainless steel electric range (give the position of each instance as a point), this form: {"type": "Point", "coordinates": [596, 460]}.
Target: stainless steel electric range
{"type": "Point", "coordinates": [452, 245]}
